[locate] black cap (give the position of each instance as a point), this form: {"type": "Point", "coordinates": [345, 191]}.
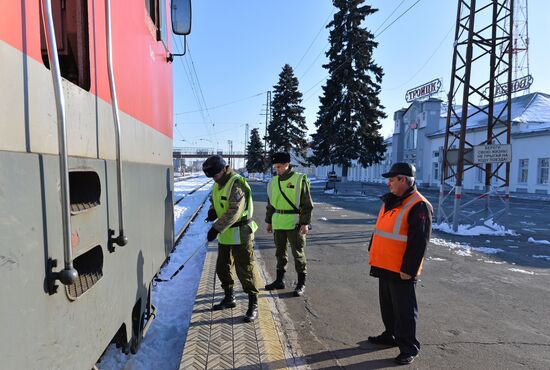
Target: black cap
{"type": "Point", "coordinates": [213, 165]}
{"type": "Point", "coordinates": [280, 157]}
{"type": "Point", "coordinates": [401, 168]}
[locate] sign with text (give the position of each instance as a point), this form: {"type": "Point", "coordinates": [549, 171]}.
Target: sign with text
{"type": "Point", "coordinates": [517, 85]}
{"type": "Point", "coordinates": [423, 91]}
{"type": "Point", "coordinates": [492, 153]}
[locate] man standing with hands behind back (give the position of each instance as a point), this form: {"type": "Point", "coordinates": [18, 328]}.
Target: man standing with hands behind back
{"type": "Point", "coordinates": [288, 215]}
{"type": "Point", "coordinates": [397, 249]}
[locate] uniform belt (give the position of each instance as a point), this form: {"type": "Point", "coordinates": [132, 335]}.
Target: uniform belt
{"type": "Point", "coordinates": [287, 211]}
{"type": "Point", "coordinates": [242, 222]}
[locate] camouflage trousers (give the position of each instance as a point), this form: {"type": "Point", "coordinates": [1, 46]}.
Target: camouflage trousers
{"type": "Point", "coordinates": [242, 257]}
{"type": "Point", "coordinates": [297, 244]}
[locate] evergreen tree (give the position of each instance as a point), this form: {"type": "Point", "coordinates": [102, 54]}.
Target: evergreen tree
{"type": "Point", "coordinates": [348, 122]}
{"type": "Point", "coordinates": [287, 129]}
{"type": "Point", "coordinates": [255, 153]}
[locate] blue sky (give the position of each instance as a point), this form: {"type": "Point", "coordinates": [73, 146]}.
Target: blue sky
{"type": "Point", "coordinates": [238, 48]}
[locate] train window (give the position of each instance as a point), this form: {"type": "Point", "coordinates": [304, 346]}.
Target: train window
{"type": "Point", "coordinates": [70, 19]}
{"type": "Point", "coordinates": [157, 12]}
{"type": "Point", "coordinates": [90, 269]}
{"type": "Point", "coordinates": [85, 190]}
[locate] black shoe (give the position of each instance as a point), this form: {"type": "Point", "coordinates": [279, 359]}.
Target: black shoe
{"type": "Point", "coordinates": [279, 283]}
{"type": "Point", "coordinates": [301, 285]}
{"type": "Point", "coordinates": [383, 339]}
{"type": "Point", "coordinates": [227, 302]}
{"type": "Point", "coordinates": [252, 312]}
{"type": "Point", "coordinates": [403, 359]}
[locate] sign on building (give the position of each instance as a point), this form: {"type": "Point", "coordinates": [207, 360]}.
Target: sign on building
{"type": "Point", "coordinates": [423, 91]}
{"type": "Point", "coordinates": [492, 153]}
{"type": "Point", "coordinates": [517, 85]}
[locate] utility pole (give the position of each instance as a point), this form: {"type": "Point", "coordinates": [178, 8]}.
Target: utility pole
{"type": "Point", "coordinates": [230, 149]}
{"type": "Point", "coordinates": [245, 138]}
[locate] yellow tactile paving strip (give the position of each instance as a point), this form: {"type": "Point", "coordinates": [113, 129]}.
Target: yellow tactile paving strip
{"type": "Point", "coordinates": [220, 339]}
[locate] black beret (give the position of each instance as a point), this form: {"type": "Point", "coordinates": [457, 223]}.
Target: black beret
{"type": "Point", "coordinates": [280, 157]}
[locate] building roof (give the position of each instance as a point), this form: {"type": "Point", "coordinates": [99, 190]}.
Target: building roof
{"type": "Point", "coordinates": [530, 113]}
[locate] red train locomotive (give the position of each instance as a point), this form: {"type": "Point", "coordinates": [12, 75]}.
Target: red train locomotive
{"type": "Point", "coordinates": [86, 183]}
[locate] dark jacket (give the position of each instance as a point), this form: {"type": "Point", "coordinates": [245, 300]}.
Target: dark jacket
{"type": "Point", "coordinates": [418, 236]}
{"type": "Point", "coordinates": [305, 206]}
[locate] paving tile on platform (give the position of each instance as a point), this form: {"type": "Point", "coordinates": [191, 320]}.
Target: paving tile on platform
{"type": "Point", "coordinates": [245, 346]}
{"type": "Point", "coordinates": [193, 362]}
{"type": "Point", "coordinates": [247, 361]}
{"type": "Point", "coordinates": [220, 347]}
{"type": "Point", "coordinates": [220, 362]}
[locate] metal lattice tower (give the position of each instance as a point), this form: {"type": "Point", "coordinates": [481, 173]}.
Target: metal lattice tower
{"type": "Point", "coordinates": [520, 49]}
{"type": "Point", "coordinates": [482, 56]}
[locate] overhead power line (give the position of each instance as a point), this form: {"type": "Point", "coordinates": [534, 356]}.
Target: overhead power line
{"type": "Point", "coordinates": [221, 105]}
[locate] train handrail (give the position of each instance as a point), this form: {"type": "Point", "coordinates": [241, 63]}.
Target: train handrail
{"type": "Point", "coordinates": [68, 275]}
{"type": "Point", "coordinates": [121, 239]}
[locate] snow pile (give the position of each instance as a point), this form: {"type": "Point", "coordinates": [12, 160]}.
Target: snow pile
{"type": "Point", "coordinates": [488, 228]}
{"type": "Point", "coordinates": [435, 259]}
{"type": "Point", "coordinates": [330, 191]}
{"type": "Point", "coordinates": [522, 271]}
{"type": "Point", "coordinates": [541, 256]}
{"type": "Point", "coordinates": [531, 240]}
{"type": "Point", "coordinates": [462, 249]}
{"type": "Point", "coordinates": [488, 250]}
{"type": "Point", "coordinates": [323, 219]}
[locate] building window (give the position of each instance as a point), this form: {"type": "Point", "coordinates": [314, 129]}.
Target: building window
{"type": "Point", "coordinates": [435, 153]}
{"type": "Point", "coordinates": [435, 171]}
{"type": "Point", "coordinates": [542, 171]}
{"type": "Point", "coordinates": [523, 171]}
{"type": "Point", "coordinates": [70, 20]}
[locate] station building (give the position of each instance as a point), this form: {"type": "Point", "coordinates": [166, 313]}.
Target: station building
{"type": "Point", "coordinates": [419, 137]}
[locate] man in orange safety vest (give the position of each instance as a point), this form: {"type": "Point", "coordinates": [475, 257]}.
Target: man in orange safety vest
{"type": "Point", "coordinates": [397, 249]}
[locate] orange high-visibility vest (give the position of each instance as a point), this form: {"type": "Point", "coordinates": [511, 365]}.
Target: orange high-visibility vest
{"type": "Point", "coordinates": [389, 239]}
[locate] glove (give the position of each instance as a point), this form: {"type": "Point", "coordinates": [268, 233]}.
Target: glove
{"type": "Point", "coordinates": [212, 233]}
{"type": "Point", "coordinates": [212, 216]}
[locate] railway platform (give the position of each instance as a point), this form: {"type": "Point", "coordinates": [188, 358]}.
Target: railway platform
{"type": "Point", "coordinates": [222, 340]}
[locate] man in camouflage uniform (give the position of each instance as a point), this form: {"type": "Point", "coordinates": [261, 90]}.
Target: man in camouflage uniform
{"type": "Point", "coordinates": [232, 208]}
{"type": "Point", "coordinates": [288, 215]}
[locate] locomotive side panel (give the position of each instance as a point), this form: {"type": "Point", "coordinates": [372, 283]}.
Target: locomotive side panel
{"type": "Point", "coordinates": [70, 329]}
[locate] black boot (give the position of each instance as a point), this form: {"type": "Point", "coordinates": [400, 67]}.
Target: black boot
{"type": "Point", "coordinates": [301, 286]}
{"type": "Point", "coordinates": [279, 283]}
{"type": "Point", "coordinates": [227, 302]}
{"type": "Point", "coordinates": [252, 312]}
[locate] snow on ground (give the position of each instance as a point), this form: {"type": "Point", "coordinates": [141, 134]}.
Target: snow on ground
{"type": "Point", "coordinates": [522, 271]}
{"type": "Point", "coordinates": [435, 259]}
{"type": "Point", "coordinates": [323, 219]}
{"type": "Point", "coordinates": [488, 228]}
{"type": "Point", "coordinates": [531, 240]}
{"type": "Point", "coordinates": [330, 191]}
{"type": "Point", "coordinates": [462, 249]}
{"type": "Point", "coordinates": [163, 344]}
{"type": "Point", "coordinates": [488, 250]}
{"type": "Point", "coordinates": [541, 256]}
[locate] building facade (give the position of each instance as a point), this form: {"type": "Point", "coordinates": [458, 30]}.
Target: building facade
{"type": "Point", "coordinates": [419, 136]}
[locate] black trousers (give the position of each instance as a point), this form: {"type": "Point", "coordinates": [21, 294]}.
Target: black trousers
{"type": "Point", "coordinates": [399, 312]}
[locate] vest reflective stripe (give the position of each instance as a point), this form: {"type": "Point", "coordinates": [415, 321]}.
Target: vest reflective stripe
{"type": "Point", "coordinates": [285, 221]}
{"type": "Point", "coordinates": [389, 240]}
{"type": "Point", "coordinates": [392, 236]}
{"type": "Point", "coordinates": [220, 198]}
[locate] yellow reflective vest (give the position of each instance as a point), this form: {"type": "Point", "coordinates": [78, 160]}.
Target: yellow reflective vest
{"type": "Point", "coordinates": [286, 217]}
{"type": "Point", "coordinates": [220, 198]}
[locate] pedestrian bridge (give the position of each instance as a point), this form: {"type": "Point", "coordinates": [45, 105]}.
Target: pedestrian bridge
{"type": "Point", "coordinates": [204, 153]}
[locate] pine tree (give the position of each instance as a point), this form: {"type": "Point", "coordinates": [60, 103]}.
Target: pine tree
{"type": "Point", "coordinates": [348, 122]}
{"type": "Point", "coordinates": [254, 153]}
{"type": "Point", "coordinates": [287, 129]}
